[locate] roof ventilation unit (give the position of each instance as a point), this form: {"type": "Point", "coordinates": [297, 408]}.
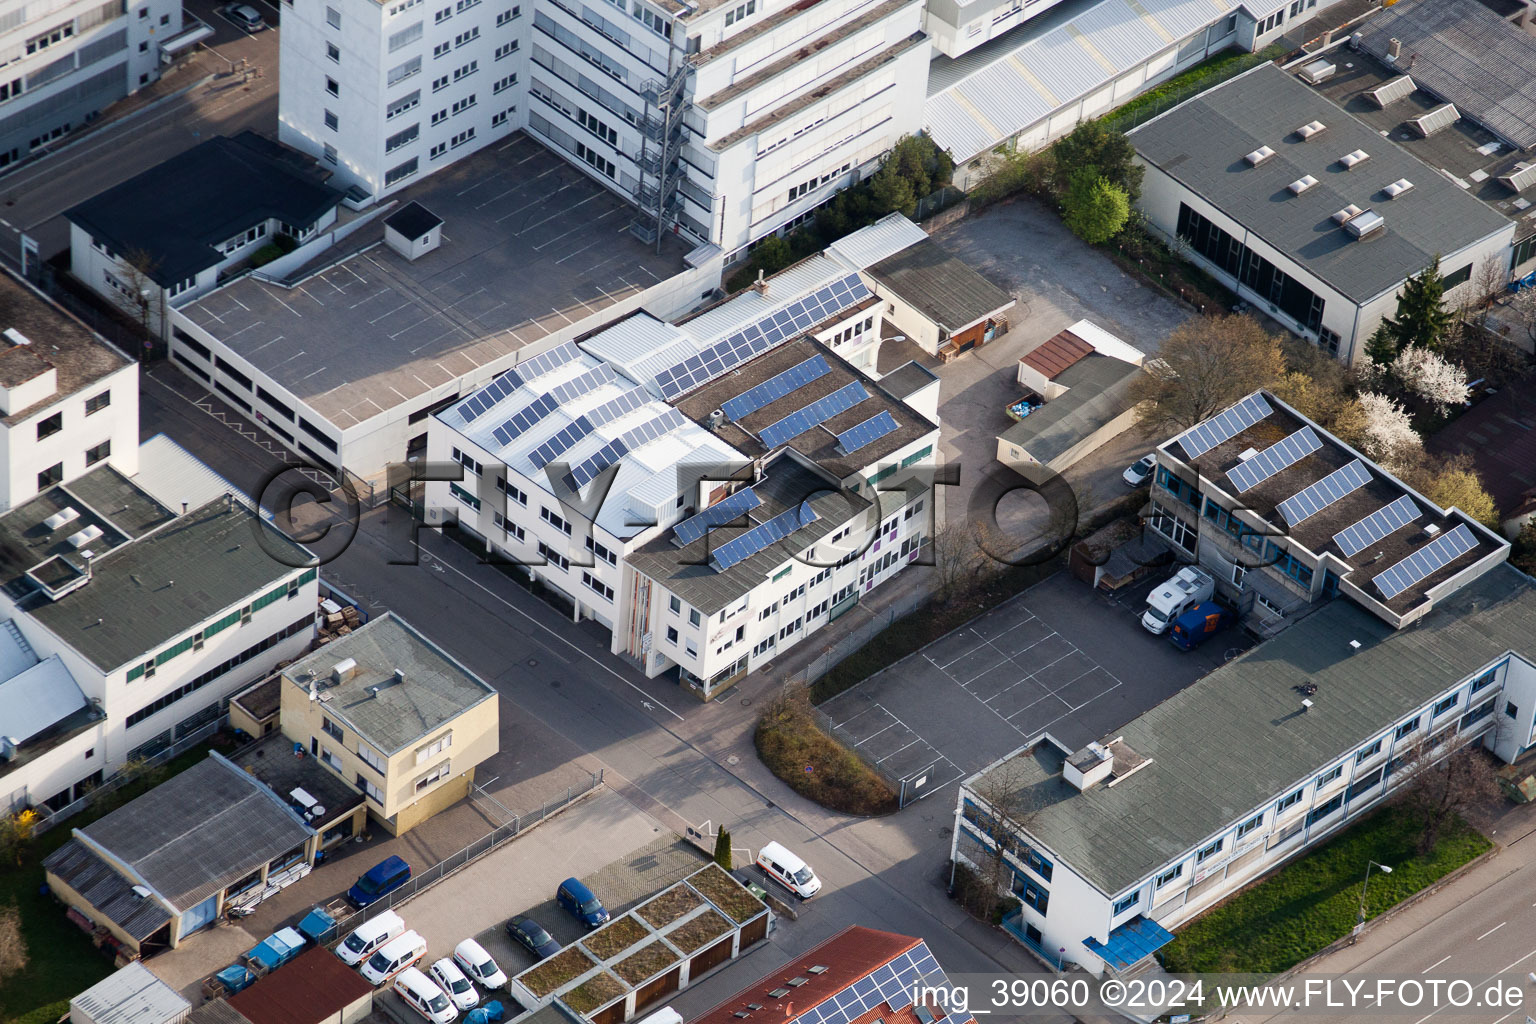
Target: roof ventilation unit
{"type": "Point", "coordinates": [84, 537]}
{"type": "Point", "coordinates": [1355, 159]}
{"type": "Point", "coordinates": [1301, 184]}
{"type": "Point", "coordinates": [1347, 213]}
{"type": "Point", "coordinates": [1390, 92]}
{"type": "Point", "coordinates": [1259, 155]}
{"type": "Point", "coordinates": [1522, 177]}
{"type": "Point", "coordinates": [1398, 187]}
{"type": "Point", "coordinates": [1366, 224]}
{"type": "Point", "coordinates": [1318, 72]}
{"type": "Point", "coordinates": [67, 514]}
{"type": "Point", "coordinates": [1441, 117]}
{"type": "Point", "coordinates": [1311, 128]}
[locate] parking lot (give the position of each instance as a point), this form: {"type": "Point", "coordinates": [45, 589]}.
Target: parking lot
{"type": "Point", "coordinates": [1061, 658]}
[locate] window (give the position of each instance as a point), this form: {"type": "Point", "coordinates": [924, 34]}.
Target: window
{"type": "Point", "coordinates": [98, 453]}
{"type": "Point", "coordinates": [671, 634]}
{"type": "Point", "coordinates": [50, 426]}
{"type": "Point", "coordinates": [372, 791]}
{"type": "Point", "coordinates": [1330, 775]}
{"type": "Point", "coordinates": [674, 605]}
{"type": "Point", "coordinates": [434, 776]}
{"type": "Point", "coordinates": [595, 159]}
{"type": "Point", "coordinates": [442, 15]}
{"type": "Point", "coordinates": [1368, 753]}
{"type": "Point", "coordinates": [466, 70]}
{"type": "Point", "coordinates": [438, 150]}
{"type": "Point", "coordinates": [506, 16]}
{"type": "Point", "coordinates": [334, 52]}
{"type": "Point", "coordinates": [466, 37]}
{"type": "Point", "coordinates": [1457, 277]}
{"type": "Point", "coordinates": [693, 616]}
{"type": "Point", "coordinates": [1288, 802]}
{"type": "Point", "coordinates": [1122, 905]}
{"type": "Point", "coordinates": [468, 463]}
{"type": "Point", "coordinates": [1485, 680]}
{"type": "Point", "coordinates": [740, 13]}
{"type": "Point", "coordinates": [427, 751]}
{"type": "Point", "coordinates": [1523, 250]}
{"type": "Point", "coordinates": [1248, 826]}
{"type": "Point", "coordinates": [1210, 851]}
{"type": "Point", "coordinates": [371, 758]}
{"type": "Point", "coordinates": [602, 551]}
{"type": "Point", "coordinates": [50, 476]}
{"type": "Point", "coordinates": [554, 520]}
{"type": "Point", "coordinates": [58, 35]}
{"type": "Point", "coordinates": [332, 86]}
{"type": "Point", "coordinates": [598, 128]}
{"type": "Point", "coordinates": [765, 646]}
{"type": "Point", "coordinates": [403, 138]}
{"type": "Point", "coordinates": [1168, 876]}
{"type": "Point", "coordinates": [464, 496]}
{"type": "Point", "coordinates": [459, 106]}
{"type": "Point", "coordinates": [553, 557]}
{"type": "Point", "coordinates": [1031, 895]}
{"type": "Point", "coordinates": [405, 37]}
{"type": "Point", "coordinates": [1445, 705]}
{"type": "Point", "coordinates": [1511, 710]}
{"type": "Point", "coordinates": [500, 117]}
{"type": "Point", "coordinates": [509, 527]}
{"type": "Point", "coordinates": [439, 116]}
{"type": "Point", "coordinates": [506, 49]}
{"type": "Point", "coordinates": [330, 728]}
{"type": "Point", "coordinates": [1271, 285]}
{"type": "Point", "coordinates": [400, 172]}
{"type": "Point", "coordinates": [329, 152]}
{"type": "Point", "coordinates": [512, 491]}
{"type": "Point", "coordinates": [404, 103]}
{"type": "Point", "coordinates": [1322, 810]}
{"type": "Point", "coordinates": [1477, 714]}
{"type": "Point", "coordinates": [597, 586]}
{"type": "Point", "coordinates": [1407, 728]}
{"type": "Point", "coordinates": [1038, 864]}
{"type": "Point", "coordinates": [333, 17]}
{"type": "Point", "coordinates": [653, 21]}
{"type": "Point", "coordinates": [442, 49]}
{"type": "Point", "coordinates": [503, 84]}
{"type": "Point", "coordinates": [331, 121]}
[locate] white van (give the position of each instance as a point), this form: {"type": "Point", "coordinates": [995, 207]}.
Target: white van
{"type": "Point", "coordinates": [788, 870]}
{"type": "Point", "coordinates": [370, 935]}
{"type": "Point", "coordinates": [422, 995]}
{"type": "Point", "coordinates": [394, 956]}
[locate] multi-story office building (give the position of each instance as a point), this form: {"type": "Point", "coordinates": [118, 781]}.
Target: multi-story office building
{"type": "Point", "coordinates": [65, 60]}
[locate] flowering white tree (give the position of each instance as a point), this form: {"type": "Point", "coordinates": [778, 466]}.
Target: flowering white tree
{"type": "Point", "coordinates": [1389, 437]}
{"type": "Point", "coordinates": [1431, 377]}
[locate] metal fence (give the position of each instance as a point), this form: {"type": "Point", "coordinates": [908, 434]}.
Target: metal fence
{"type": "Point", "coordinates": [474, 851]}
{"type": "Point", "coordinates": [859, 636]}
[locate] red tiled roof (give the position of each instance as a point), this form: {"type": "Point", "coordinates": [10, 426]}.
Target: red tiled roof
{"type": "Point", "coordinates": [851, 954]}
{"type": "Point", "coordinates": [314, 987]}
{"type": "Point", "coordinates": [1056, 354]}
{"type": "Point", "coordinates": [1499, 434]}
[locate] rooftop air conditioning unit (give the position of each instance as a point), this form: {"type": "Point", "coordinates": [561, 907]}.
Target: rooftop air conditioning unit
{"type": "Point", "coordinates": [1398, 187]}
{"type": "Point", "coordinates": [1355, 159]}
{"type": "Point", "coordinates": [84, 537]}
{"type": "Point", "coordinates": [1301, 184]}
{"type": "Point", "coordinates": [1317, 72]}
{"type": "Point", "coordinates": [1259, 155]}
{"type": "Point", "coordinates": [59, 518]}
{"type": "Point", "coordinates": [1310, 129]}
{"type": "Point", "coordinates": [1366, 224]}
{"type": "Point", "coordinates": [1347, 213]}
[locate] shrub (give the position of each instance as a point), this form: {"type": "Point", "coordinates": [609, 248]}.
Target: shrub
{"type": "Point", "coordinates": [816, 765]}
{"type": "Point", "coordinates": [1094, 208]}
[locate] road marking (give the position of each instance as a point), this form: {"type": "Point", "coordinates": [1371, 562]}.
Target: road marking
{"type": "Point", "coordinates": [1490, 931]}
{"type": "Point", "coordinates": [1511, 966]}
{"type": "Point", "coordinates": [1508, 1015]}
{"type": "Point", "coordinates": [1437, 963]}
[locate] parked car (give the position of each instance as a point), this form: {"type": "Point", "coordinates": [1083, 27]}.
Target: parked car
{"type": "Point", "coordinates": [581, 903]}
{"type": "Point", "coordinates": [1197, 625]}
{"type": "Point", "coordinates": [369, 936]}
{"type": "Point", "coordinates": [379, 881]}
{"type": "Point", "coordinates": [421, 994]}
{"type": "Point", "coordinates": [246, 16]}
{"type": "Point", "coordinates": [1140, 471]}
{"type": "Point", "coordinates": [788, 870]}
{"type": "Point", "coordinates": [451, 980]}
{"type": "Point", "coordinates": [529, 934]}
{"type": "Point", "coordinates": [474, 961]}
{"type": "Point", "coordinates": [393, 957]}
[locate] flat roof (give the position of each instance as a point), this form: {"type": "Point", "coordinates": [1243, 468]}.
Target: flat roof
{"type": "Point", "coordinates": [1316, 532]}
{"type": "Point", "coordinates": [315, 986]}
{"type": "Point", "coordinates": [1467, 55]}
{"type": "Point", "coordinates": [1202, 144]}
{"type": "Point", "coordinates": [1237, 738]}
{"type": "Point", "coordinates": [1098, 391]}
{"type": "Point", "coordinates": [434, 690]}
{"type": "Point", "coordinates": [908, 379]}
{"type": "Point", "coordinates": [178, 212]}
{"type": "Point", "coordinates": [944, 289]}
{"type": "Point", "coordinates": [377, 331]}
{"type": "Point", "coordinates": [270, 760]}
{"type": "Point", "coordinates": [77, 354]}
{"type": "Point", "coordinates": [1056, 353]}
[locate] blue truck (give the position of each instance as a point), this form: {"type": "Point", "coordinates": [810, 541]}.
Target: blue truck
{"type": "Point", "coordinates": [1192, 628]}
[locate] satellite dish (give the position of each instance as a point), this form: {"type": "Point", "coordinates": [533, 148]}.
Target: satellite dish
{"type": "Point", "coordinates": [317, 810]}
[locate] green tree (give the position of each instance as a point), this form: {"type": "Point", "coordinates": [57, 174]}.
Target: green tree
{"type": "Point", "coordinates": [1093, 144]}
{"type": "Point", "coordinates": [892, 193]}
{"type": "Point", "coordinates": [1522, 553]}
{"type": "Point", "coordinates": [1381, 347]}
{"type": "Point", "coordinates": [1422, 318]}
{"type": "Point", "coordinates": [723, 848]}
{"type": "Point", "coordinates": [1094, 208]}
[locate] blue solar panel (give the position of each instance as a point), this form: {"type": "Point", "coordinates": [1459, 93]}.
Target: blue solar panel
{"type": "Point", "coordinates": [1312, 500]}
{"type": "Point", "coordinates": [1202, 437]}
{"type": "Point", "coordinates": [1437, 554]}
{"type": "Point", "coordinates": [761, 536]}
{"type": "Point", "coordinates": [614, 408]}
{"type": "Point", "coordinates": [867, 433]}
{"type": "Point", "coordinates": [819, 411]}
{"type": "Point", "coordinates": [1281, 455]}
{"type": "Point", "coordinates": [481, 401]}
{"type": "Point", "coordinates": [776, 387]}
{"type": "Point", "coordinates": [525, 419]}
{"type": "Point", "coordinates": [537, 366]}
{"type": "Point", "coordinates": [561, 442]}
{"type": "Point", "coordinates": [622, 445]}
{"type": "Point", "coordinates": [1385, 520]}
{"type": "Point", "coordinates": [732, 506]}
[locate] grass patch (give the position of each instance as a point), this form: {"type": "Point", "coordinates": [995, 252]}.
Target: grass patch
{"type": "Point", "coordinates": [646, 962]}
{"type": "Point", "coordinates": [815, 764]}
{"type": "Point", "coordinates": [1209, 72]}
{"type": "Point", "coordinates": [615, 938]}
{"type": "Point", "coordinates": [726, 893]}
{"type": "Point", "coordinates": [699, 932]}
{"type": "Point", "coordinates": [573, 962]}
{"type": "Point", "coordinates": [1314, 900]}
{"type": "Point", "coordinates": [669, 906]}
{"type": "Point", "coordinates": [594, 992]}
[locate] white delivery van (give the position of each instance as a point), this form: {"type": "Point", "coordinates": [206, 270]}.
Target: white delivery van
{"type": "Point", "coordinates": [369, 936]}
{"type": "Point", "coordinates": [788, 870]}
{"type": "Point", "coordinates": [393, 957]}
{"type": "Point", "coordinates": [421, 994]}
{"type": "Point", "coordinates": [1186, 589]}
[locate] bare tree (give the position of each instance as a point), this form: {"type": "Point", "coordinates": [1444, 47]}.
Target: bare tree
{"type": "Point", "coordinates": [1436, 786]}
{"type": "Point", "coordinates": [1008, 805]}
{"type": "Point", "coordinates": [1524, 307]}
{"type": "Point", "coordinates": [138, 266]}
{"type": "Point", "coordinates": [960, 563]}
{"type": "Point", "coordinates": [13, 945]}
{"type": "Point", "coordinates": [1205, 365]}
{"type": "Point", "coordinates": [1486, 285]}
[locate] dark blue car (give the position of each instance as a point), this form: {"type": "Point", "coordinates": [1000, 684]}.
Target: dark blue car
{"type": "Point", "coordinates": [379, 881]}
{"type": "Point", "coordinates": [529, 934]}
{"type": "Point", "coordinates": [581, 903]}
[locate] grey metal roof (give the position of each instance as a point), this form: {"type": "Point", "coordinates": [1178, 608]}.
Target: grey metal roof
{"type": "Point", "coordinates": [435, 690]}
{"type": "Point", "coordinates": [130, 996]}
{"type": "Point", "coordinates": [1467, 55]}
{"type": "Point", "coordinates": [198, 831]}
{"type": "Point", "coordinates": [38, 698]}
{"type": "Point", "coordinates": [1236, 739]}
{"type": "Point", "coordinates": [1097, 387]}
{"type": "Point", "coordinates": [941, 287]}
{"type": "Point", "coordinates": [110, 893]}
{"type": "Point", "coordinates": [1202, 143]}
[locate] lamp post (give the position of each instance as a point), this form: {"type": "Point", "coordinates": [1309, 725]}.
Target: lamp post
{"type": "Point", "coordinates": [1360, 921]}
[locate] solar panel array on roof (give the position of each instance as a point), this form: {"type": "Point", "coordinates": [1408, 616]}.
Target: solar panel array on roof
{"type": "Point", "coordinates": [561, 442]}
{"type": "Point", "coordinates": [614, 408]}
{"type": "Point", "coordinates": [1281, 455]}
{"type": "Point", "coordinates": [776, 387]}
{"type": "Point", "coordinates": [732, 506]}
{"type": "Point", "coordinates": [1312, 500]}
{"type": "Point", "coordinates": [1437, 554]}
{"type": "Point", "coordinates": [867, 433]}
{"type": "Point", "coordinates": [481, 401]}
{"type": "Point", "coordinates": [759, 537]}
{"type": "Point", "coordinates": [537, 366]}
{"type": "Point", "coordinates": [1385, 520]}
{"type": "Point", "coordinates": [755, 339]}
{"type": "Point", "coordinates": [808, 416]}
{"type": "Point", "coordinates": [891, 984]}
{"type": "Point", "coordinates": [548, 402]}
{"type": "Point", "coordinates": [622, 445]}
{"type": "Point", "coordinates": [1202, 437]}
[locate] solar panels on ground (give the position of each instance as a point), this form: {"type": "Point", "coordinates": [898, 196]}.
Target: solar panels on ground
{"type": "Point", "coordinates": [622, 445]}
{"type": "Point", "coordinates": [732, 506]}
{"type": "Point", "coordinates": [1281, 455]}
{"type": "Point", "coordinates": [1385, 520]}
{"type": "Point", "coordinates": [776, 387]}
{"type": "Point", "coordinates": [1312, 500]}
{"type": "Point", "coordinates": [481, 401]}
{"type": "Point", "coordinates": [893, 983]}
{"type": "Point", "coordinates": [759, 537]}
{"type": "Point", "coordinates": [755, 339]}
{"type": "Point", "coordinates": [1437, 554]}
{"type": "Point", "coordinates": [866, 433]}
{"type": "Point", "coordinates": [1202, 437]}
{"type": "Point", "coordinates": [808, 416]}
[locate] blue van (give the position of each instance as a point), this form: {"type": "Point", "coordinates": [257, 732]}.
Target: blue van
{"type": "Point", "coordinates": [379, 881]}
{"type": "Point", "coordinates": [1195, 626]}
{"type": "Point", "coordinates": [581, 903]}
